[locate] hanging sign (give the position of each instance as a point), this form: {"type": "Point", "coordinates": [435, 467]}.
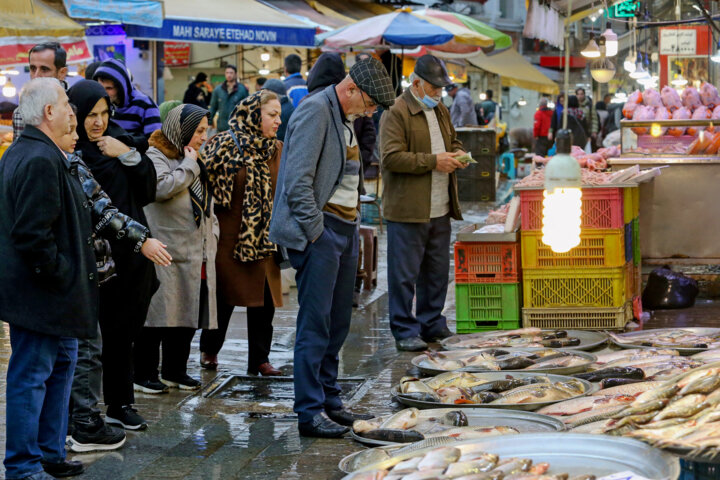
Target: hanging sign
{"type": "Point", "coordinates": [628, 8]}
{"type": "Point", "coordinates": [17, 53]}
{"type": "Point", "coordinates": [177, 54]}
{"type": "Point", "coordinates": [674, 41]}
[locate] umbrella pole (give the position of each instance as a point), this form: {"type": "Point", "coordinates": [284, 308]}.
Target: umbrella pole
{"type": "Point", "coordinates": [567, 67]}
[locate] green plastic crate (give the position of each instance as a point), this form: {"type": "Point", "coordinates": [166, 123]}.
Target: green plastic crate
{"type": "Point", "coordinates": [636, 241]}
{"type": "Point", "coordinates": [487, 306]}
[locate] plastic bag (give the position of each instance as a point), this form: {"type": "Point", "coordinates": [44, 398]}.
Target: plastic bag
{"type": "Point", "coordinates": [667, 290]}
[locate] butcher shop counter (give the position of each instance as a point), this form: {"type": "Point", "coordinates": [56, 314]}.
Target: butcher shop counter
{"type": "Point", "coordinates": [678, 222]}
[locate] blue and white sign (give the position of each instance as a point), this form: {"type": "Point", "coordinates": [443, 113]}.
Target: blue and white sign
{"type": "Point", "coordinates": [213, 32]}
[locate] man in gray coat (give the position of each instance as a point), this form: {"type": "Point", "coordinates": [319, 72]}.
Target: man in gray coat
{"type": "Point", "coordinates": [315, 215]}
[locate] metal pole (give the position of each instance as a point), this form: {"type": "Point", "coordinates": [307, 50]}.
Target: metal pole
{"type": "Point", "coordinates": [567, 67]}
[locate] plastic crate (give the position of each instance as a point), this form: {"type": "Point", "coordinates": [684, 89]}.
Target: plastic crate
{"type": "Point", "coordinates": [489, 306]}
{"type": "Point", "coordinates": [574, 287]}
{"type": "Point", "coordinates": [598, 248]}
{"type": "Point", "coordinates": [578, 318]}
{"type": "Point", "coordinates": [631, 203]}
{"type": "Point", "coordinates": [636, 241]}
{"type": "Point", "coordinates": [369, 213]}
{"type": "Point", "coordinates": [601, 208]}
{"type": "Point", "coordinates": [628, 242]}
{"type": "Point", "coordinates": [630, 281]}
{"type": "Point", "coordinates": [480, 262]}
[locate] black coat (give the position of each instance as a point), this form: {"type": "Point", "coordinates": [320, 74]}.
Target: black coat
{"type": "Point", "coordinates": [196, 96]}
{"type": "Point", "coordinates": [47, 273]}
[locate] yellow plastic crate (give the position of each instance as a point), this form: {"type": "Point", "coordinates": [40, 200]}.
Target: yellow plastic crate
{"type": "Point", "coordinates": [574, 287]}
{"type": "Point", "coordinates": [598, 248]}
{"type": "Point", "coordinates": [631, 204]}
{"type": "Point", "coordinates": [578, 318]}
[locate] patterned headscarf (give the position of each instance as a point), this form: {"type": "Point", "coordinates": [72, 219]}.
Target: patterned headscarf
{"type": "Point", "coordinates": [224, 157]}
{"type": "Point", "coordinates": [179, 127]}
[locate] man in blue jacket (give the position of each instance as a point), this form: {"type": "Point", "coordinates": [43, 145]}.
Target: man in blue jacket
{"type": "Point", "coordinates": [294, 82]}
{"type": "Point", "coordinates": [315, 216]}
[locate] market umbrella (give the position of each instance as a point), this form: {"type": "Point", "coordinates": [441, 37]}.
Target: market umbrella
{"type": "Point", "coordinates": [405, 28]}
{"type": "Point", "coordinates": [501, 41]}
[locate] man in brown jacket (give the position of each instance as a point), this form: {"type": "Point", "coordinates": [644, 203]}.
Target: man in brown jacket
{"type": "Point", "coordinates": [419, 145]}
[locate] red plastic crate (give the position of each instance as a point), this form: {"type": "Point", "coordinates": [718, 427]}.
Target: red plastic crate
{"type": "Point", "coordinates": [601, 208]}
{"type": "Point", "coordinates": [480, 262]}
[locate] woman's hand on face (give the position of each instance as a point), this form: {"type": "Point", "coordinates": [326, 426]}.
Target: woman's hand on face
{"type": "Point", "coordinates": [112, 147]}
{"type": "Point", "coordinates": [190, 152]}
{"type": "Point", "coordinates": [154, 250]}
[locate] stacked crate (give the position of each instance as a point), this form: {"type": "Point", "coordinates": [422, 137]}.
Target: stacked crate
{"type": "Point", "coordinates": [487, 286]}
{"type": "Point", "coordinates": [592, 285]}
{"type": "Point", "coordinates": [476, 182]}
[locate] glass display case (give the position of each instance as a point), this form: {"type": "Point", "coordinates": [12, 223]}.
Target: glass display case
{"type": "Point", "coordinates": [670, 138]}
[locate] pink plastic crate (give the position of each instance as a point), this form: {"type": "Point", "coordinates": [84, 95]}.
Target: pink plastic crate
{"type": "Point", "coordinates": [601, 208]}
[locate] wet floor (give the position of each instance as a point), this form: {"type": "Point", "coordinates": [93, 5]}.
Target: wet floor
{"type": "Point", "coordinates": [244, 428]}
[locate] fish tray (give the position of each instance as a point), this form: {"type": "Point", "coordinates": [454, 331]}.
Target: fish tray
{"type": "Point", "coordinates": [492, 376]}
{"type": "Point", "coordinates": [588, 339]}
{"type": "Point", "coordinates": [681, 350]}
{"type": "Point", "coordinates": [574, 287]}
{"type": "Point", "coordinates": [572, 453]}
{"type": "Point", "coordinates": [487, 306]}
{"type": "Point", "coordinates": [480, 262]}
{"type": "Point", "coordinates": [587, 318]}
{"type": "Point", "coordinates": [424, 368]}
{"type": "Point", "coordinates": [598, 248]}
{"type": "Point", "coordinates": [523, 422]}
{"type": "Point", "coordinates": [601, 208]}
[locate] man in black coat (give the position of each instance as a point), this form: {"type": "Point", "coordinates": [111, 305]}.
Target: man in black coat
{"type": "Point", "coordinates": [48, 290]}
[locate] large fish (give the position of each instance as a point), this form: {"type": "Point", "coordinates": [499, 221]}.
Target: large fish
{"type": "Point", "coordinates": [439, 458]}
{"type": "Point", "coordinates": [402, 420]}
{"type": "Point", "coordinates": [585, 404]}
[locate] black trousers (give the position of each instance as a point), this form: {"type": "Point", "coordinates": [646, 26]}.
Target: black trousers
{"type": "Point", "coordinates": [175, 343]}
{"type": "Point", "coordinates": [542, 145]}
{"type": "Point", "coordinates": [259, 325]}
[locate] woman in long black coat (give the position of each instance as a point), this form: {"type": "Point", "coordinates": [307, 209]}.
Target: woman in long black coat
{"type": "Point", "coordinates": [129, 178]}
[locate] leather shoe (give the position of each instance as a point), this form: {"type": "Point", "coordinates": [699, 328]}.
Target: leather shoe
{"type": "Point", "coordinates": [345, 417]}
{"type": "Point", "coordinates": [441, 335]}
{"type": "Point", "coordinates": [63, 469]}
{"type": "Point", "coordinates": [322, 427]}
{"type": "Point", "coordinates": [267, 370]}
{"type": "Point", "coordinates": [411, 344]}
{"type": "Point", "coordinates": [208, 361]}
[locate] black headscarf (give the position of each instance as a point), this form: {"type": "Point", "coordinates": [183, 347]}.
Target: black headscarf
{"type": "Point", "coordinates": [329, 69]}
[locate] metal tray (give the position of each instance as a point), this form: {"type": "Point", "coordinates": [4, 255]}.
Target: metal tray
{"type": "Point", "coordinates": [572, 453]}
{"type": "Point", "coordinates": [363, 458]}
{"type": "Point", "coordinates": [589, 339]}
{"type": "Point", "coordinates": [681, 350]}
{"type": "Point", "coordinates": [492, 376]}
{"type": "Point", "coordinates": [590, 359]}
{"type": "Point", "coordinates": [524, 422]}
{"type": "Point", "coordinates": [466, 235]}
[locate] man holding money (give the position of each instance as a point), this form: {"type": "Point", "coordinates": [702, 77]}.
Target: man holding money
{"type": "Point", "coordinates": [420, 153]}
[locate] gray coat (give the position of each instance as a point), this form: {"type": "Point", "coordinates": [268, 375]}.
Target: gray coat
{"type": "Point", "coordinates": [313, 161]}
{"type": "Point", "coordinates": [170, 218]}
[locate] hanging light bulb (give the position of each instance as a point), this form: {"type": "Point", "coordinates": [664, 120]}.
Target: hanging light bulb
{"type": "Point", "coordinates": [639, 71]}
{"type": "Point", "coordinates": [551, 104]}
{"type": "Point", "coordinates": [265, 56]}
{"type": "Point", "coordinates": [264, 71]}
{"type": "Point", "coordinates": [629, 63]}
{"type": "Point", "coordinates": [602, 70]}
{"type": "Point", "coordinates": [593, 17]}
{"type": "Point", "coordinates": [611, 41]}
{"type": "Point", "coordinates": [9, 89]}
{"type": "Point", "coordinates": [591, 50]}
{"type": "Point", "coordinates": [679, 80]}
{"type": "Point", "coordinates": [522, 102]}
{"type": "Point", "coordinates": [482, 96]}
{"type": "Point", "coordinates": [562, 205]}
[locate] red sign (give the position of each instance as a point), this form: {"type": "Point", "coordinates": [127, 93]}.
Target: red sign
{"type": "Point", "coordinates": [558, 61]}
{"type": "Point", "coordinates": [177, 54]}
{"type": "Point", "coordinates": [17, 54]}
{"type": "Point", "coordinates": [694, 65]}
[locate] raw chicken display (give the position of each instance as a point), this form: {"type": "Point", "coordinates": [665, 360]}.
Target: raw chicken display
{"type": "Point", "coordinates": [643, 113]}
{"type": "Point", "coordinates": [670, 98]}
{"type": "Point", "coordinates": [631, 104]}
{"type": "Point", "coordinates": [691, 98]}
{"type": "Point", "coordinates": [709, 95]}
{"type": "Point", "coordinates": [662, 113]}
{"type": "Point", "coordinates": [700, 113]}
{"type": "Point", "coordinates": [651, 98]}
{"type": "Point", "coordinates": [682, 113]}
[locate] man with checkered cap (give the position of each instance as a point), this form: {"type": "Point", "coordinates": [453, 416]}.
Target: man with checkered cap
{"type": "Point", "coordinates": [418, 148]}
{"type": "Point", "coordinates": [316, 217]}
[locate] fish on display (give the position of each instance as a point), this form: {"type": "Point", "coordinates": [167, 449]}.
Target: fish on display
{"type": "Point", "coordinates": [524, 337]}
{"type": "Point", "coordinates": [494, 359]}
{"type": "Point", "coordinates": [673, 338]}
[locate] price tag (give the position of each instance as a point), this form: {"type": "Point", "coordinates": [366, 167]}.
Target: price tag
{"type": "Point", "coordinates": [628, 475]}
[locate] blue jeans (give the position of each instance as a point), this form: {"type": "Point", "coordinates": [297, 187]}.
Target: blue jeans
{"type": "Point", "coordinates": [325, 279]}
{"type": "Point", "coordinates": [39, 378]}
{"type": "Point", "coordinates": [418, 258]}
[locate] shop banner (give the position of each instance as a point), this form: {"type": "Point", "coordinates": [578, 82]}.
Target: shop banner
{"type": "Point", "coordinates": [177, 54]}
{"type": "Point", "coordinates": [17, 54]}
{"type": "Point", "coordinates": [213, 32]}
{"type": "Point", "coordinates": [139, 12]}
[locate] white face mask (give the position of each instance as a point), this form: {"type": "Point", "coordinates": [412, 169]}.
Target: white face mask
{"type": "Point", "coordinates": [427, 102]}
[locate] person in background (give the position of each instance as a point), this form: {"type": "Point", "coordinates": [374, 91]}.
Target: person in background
{"type": "Point", "coordinates": [197, 92]}
{"type": "Point", "coordinates": [46, 60]}
{"type": "Point", "coordinates": [557, 115]}
{"type": "Point", "coordinates": [294, 82]}
{"type": "Point", "coordinates": [541, 127]}
{"type": "Point", "coordinates": [286, 107]}
{"type": "Point", "coordinates": [590, 117]}
{"type": "Point", "coordinates": [259, 82]}
{"type": "Point", "coordinates": [576, 122]}
{"type": "Point", "coordinates": [182, 218]}
{"type": "Point", "coordinates": [242, 166]}
{"type": "Point", "coordinates": [462, 111]}
{"type": "Point", "coordinates": [487, 108]}
{"type": "Point", "coordinates": [129, 178]}
{"type": "Point", "coordinates": [604, 103]}
{"type": "Point", "coordinates": [225, 97]}
{"type": "Point", "coordinates": [165, 108]}
{"type": "Point", "coordinates": [133, 111]}
{"type": "Point", "coordinates": [90, 70]}
{"type": "Point", "coordinates": [418, 148]}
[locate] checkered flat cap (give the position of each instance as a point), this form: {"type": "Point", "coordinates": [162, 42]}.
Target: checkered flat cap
{"type": "Point", "coordinates": [372, 78]}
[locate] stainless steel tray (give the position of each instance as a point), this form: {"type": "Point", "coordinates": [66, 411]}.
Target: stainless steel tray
{"type": "Point", "coordinates": [682, 350]}
{"type": "Point", "coordinates": [454, 354]}
{"type": "Point", "coordinates": [363, 458]}
{"type": "Point", "coordinates": [572, 453]}
{"type": "Point", "coordinates": [492, 376]}
{"type": "Point", "coordinates": [466, 235]}
{"type": "Point", "coordinates": [589, 339]}
{"type": "Point", "coordinates": [524, 422]}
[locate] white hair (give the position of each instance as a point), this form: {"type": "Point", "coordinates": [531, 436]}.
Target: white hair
{"type": "Point", "coordinates": [35, 95]}
{"type": "Point", "coordinates": [414, 76]}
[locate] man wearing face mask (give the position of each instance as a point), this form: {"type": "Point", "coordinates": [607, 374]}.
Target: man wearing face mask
{"type": "Point", "coordinates": [418, 148]}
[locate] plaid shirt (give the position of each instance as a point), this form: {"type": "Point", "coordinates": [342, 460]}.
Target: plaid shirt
{"type": "Point", "coordinates": [18, 124]}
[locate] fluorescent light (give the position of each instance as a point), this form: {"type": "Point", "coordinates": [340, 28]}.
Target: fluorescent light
{"type": "Point", "coordinates": [264, 71]}
{"type": "Point", "coordinates": [639, 71]}
{"type": "Point", "coordinates": [522, 102]}
{"type": "Point", "coordinates": [611, 42]}
{"type": "Point", "coordinates": [629, 63]}
{"type": "Point", "coordinates": [591, 50]}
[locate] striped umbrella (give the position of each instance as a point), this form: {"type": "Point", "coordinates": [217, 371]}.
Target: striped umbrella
{"type": "Point", "coordinates": [501, 41]}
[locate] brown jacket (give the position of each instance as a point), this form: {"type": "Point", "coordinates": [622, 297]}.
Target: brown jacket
{"type": "Point", "coordinates": [407, 163]}
{"type": "Point", "coordinates": [243, 283]}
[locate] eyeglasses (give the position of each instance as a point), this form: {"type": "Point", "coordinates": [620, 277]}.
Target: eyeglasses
{"type": "Point", "coordinates": [368, 108]}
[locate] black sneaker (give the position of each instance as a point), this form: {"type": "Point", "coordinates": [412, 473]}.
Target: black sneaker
{"type": "Point", "coordinates": [185, 382]}
{"type": "Point", "coordinates": [96, 436]}
{"type": "Point", "coordinates": [152, 387]}
{"type": "Point", "coordinates": [126, 417]}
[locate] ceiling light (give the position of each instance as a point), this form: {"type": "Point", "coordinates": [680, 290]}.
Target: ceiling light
{"type": "Point", "coordinates": [611, 42]}
{"type": "Point", "coordinates": [679, 80]}
{"type": "Point", "coordinates": [264, 71]}
{"type": "Point", "coordinates": [522, 102]}
{"type": "Point", "coordinates": [591, 50]}
{"type": "Point", "coordinates": [9, 89]}
{"type": "Point", "coordinates": [551, 104]}
{"type": "Point", "coordinates": [629, 63]}
{"type": "Point", "coordinates": [639, 71]}
{"type": "Point", "coordinates": [264, 56]}
{"type": "Point", "coordinates": [602, 70]}
{"type": "Point", "coordinates": [482, 96]}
